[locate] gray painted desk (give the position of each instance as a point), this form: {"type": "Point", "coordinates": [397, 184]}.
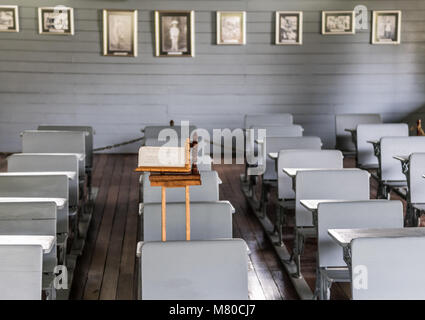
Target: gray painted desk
{"type": "Point", "coordinates": [46, 242]}
{"type": "Point", "coordinates": [343, 237]}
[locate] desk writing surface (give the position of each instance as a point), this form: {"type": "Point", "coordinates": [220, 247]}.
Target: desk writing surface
{"type": "Point", "coordinates": [60, 202]}
{"type": "Point", "coordinates": [312, 205]}
{"type": "Point", "coordinates": [259, 141]}
{"type": "Point", "coordinates": [79, 156]}
{"type": "Point", "coordinates": [372, 141]}
{"type": "Point", "coordinates": [70, 174]}
{"type": "Point", "coordinates": [401, 158]}
{"type": "Point", "coordinates": [46, 242]}
{"type": "Point", "coordinates": [292, 172]}
{"type": "Point", "coordinates": [273, 155]}
{"type": "Point", "coordinates": [344, 236]}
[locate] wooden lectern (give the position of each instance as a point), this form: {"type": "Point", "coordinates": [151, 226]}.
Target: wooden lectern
{"type": "Point", "coordinates": [171, 167]}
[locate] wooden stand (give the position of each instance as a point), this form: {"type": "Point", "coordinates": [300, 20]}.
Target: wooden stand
{"type": "Point", "coordinates": [174, 177]}
{"type": "Point", "coordinates": [174, 181]}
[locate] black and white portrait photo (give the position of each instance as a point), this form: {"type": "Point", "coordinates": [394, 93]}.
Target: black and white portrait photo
{"type": "Point", "coordinates": [9, 21]}
{"type": "Point", "coordinates": [174, 40]}
{"type": "Point", "coordinates": [288, 27]}
{"type": "Point", "coordinates": [174, 33]}
{"type": "Point", "coordinates": [120, 33]}
{"type": "Point", "coordinates": [56, 20]}
{"type": "Point", "coordinates": [386, 27]}
{"type": "Point", "coordinates": [338, 22]}
{"type": "Point", "coordinates": [231, 28]}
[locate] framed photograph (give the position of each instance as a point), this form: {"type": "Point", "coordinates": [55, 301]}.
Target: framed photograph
{"type": "Point", "coordinates": [120, 33]}
{"type": "Point", "coordinates": [386, 27]}
{"type": "Point", "coordinates": [338, 22]}
{"type": "Point", "coordinates": [289, 27]}
{"type": "Point", "coordinates": [9, 19]}
{"type": "Point", "coordinates": [231, 28]}
{"type": "Point", "coordinates": [56, 20]}
{"type": "Point", "coordinates": [174, 33]}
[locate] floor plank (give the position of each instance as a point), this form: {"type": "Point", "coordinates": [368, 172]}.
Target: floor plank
{"type": "Point", "coordinates": [113, 260]}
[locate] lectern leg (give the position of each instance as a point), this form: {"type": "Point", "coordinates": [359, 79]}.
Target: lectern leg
{"type": "Point", "coordinates": [163, 216]}
{"type": "Point", "coordinates": [187, 213]}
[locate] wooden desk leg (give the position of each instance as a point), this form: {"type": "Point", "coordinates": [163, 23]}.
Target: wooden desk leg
{"type": "Point", "coordinates": [187, 213]}
{"type": "Point", "coordinates": [163, 216]}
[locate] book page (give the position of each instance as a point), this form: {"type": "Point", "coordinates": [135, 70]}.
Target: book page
{"type": "Point", "coordinates": [162, 157]}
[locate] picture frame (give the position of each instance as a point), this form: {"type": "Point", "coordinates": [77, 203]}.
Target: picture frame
{"type": "Point", "coordinates": [56, 20]}
{"type": "Point", "coordinates": [9, 19]}
{"type": "Point", "coordinates": [338, 22]}
{"type": "Point", "coordinates": [289, 28]}
{"type": "Point", "coordinates": [120, 33]}
{"type": "Point", "coordinates": [386, 27]}
{"type": "Point", "coordinates": [231, 27]}
{"type": "Point", "coordinates": [174, 33]}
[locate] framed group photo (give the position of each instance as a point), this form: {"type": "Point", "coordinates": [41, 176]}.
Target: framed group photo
{"type": "Point", "coordinates": [338, 22]}
{"type": "Point", "coordinates": [289, 27]}
{"type": "Point", "coordinates": [56, 20]}
{"type": "Point", "coordinates": [231, 28]}
{"type": "Point", "coordinates": [174, 33]}
{"type": "Point", "coordinates": [386, 27]}
{"type": "Point", "coordinates": [120, 33]}
{"type": "Point", "coordinates": [9, 19]}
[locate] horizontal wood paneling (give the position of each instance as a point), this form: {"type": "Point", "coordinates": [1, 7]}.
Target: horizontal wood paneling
{"type": "Point", "coordinates": [64, 80]}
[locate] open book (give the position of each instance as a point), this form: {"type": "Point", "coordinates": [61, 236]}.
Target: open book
{"type": "Point", "coordinates": [165, 159]}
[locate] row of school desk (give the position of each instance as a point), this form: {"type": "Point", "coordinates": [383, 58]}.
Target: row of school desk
{"type": "Point", "coordinates": [211, 265]}
{"type": "Point", "coordinates": [45, 202]}
{"type": "Point", "coordinates": [360, 240]}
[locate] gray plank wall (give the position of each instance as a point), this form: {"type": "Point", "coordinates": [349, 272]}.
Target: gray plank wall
{"type": "Point", "coordinates": [65, 80]}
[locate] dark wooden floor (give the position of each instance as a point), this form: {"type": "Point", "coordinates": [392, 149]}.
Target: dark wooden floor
{"type": "Point", "coordinates": [107, 268]}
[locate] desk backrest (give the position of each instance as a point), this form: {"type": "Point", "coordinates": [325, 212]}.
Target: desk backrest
{"type": "Point", "coordinates": [207, 192]}
{"type": "Point", "coordinates": [392, 267]}
{"type": "Point", "coordinates": [30, 218]}
{"type": "Point", "coordinates": [369, 132]}
{"type": "Point", "coordinates": [205, 163]}
{"type": "Point", "coordinates": [23, 162]}
{"type": "Point", "coordinates": [34, 141]}
{"type": "Point", "coordinates": [88, 138]}
{"type": "Point", "coordinates": [326, 159]}
{"type": "Point", "coordinates": [194, 270]}
{"type": "Point", "coordinates": [345, 184]}
{"type": "Point", "coordinates": [281, 131]}
{"type": "Point", "coordinates": [398, 146]}
{"type": "Point", "coordinates": [21, 272]}
{"type": "Point", "coordinates": [416, 180]}
{"type": "Point", "coordinates": [350, 121]}
{"type": "Point", "coordinates": [41, 187]}
{"type": "Point", "coordinates": [269, 119]}
{"type": "Point", "coordinates": [151, 134]}
{"type": "Point", "coordinates": [353, 215]}
{"type": "Point", "coordinates": [276, 144]}
{"type": "Point", "coordinates": [209, 221]}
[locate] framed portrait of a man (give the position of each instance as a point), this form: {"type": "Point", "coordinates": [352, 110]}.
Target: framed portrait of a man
{"type": "Point", "coordinates": [9, 20]}
{"type": "Point", "coordinates": [174, 33]}
{"type": "Point", "coordinates": [338, 22]}
{"type": "Point", "coordinates": [120, 33]}
{"type": "Point", "coordinates": [289, 27]}
{"type": "Point", "coordinates": [231, 28]}
{"type": "Point", "coordinates": [56, 20]}
{"type": "Point", "coordinates": [386, 27]}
